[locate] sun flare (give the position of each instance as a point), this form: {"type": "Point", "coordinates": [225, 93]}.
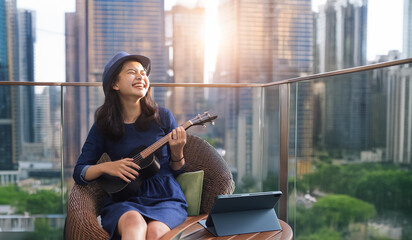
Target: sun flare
{"type": "Point", "coordinates": [211, 37]}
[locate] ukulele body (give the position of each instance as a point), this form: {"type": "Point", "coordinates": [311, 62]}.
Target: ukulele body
{"type": "Point", "coordinates": [118, 189]}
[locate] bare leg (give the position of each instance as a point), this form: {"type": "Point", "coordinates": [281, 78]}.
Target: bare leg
{"type": "Point", "coordinates": [132, 226]}
{"type": "Point", "coordinates": [156, 229]}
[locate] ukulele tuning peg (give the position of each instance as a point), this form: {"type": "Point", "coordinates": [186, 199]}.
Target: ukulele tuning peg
{"type": "Point", "coordinates": [213, 122]}
{"type": "Point", "coordinates": [204, 126]}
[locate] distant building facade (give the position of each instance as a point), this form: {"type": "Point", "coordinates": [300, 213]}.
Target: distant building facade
{"type": "Point", "coordinates": [96, 31]}
{"type": "Point", "coordinates": [399, 115]}
{"type": "Point", "coordinates": [399, 100]}
{"type": "Point", "coordinates": [407, 28]}
{"type": "Point", "coordinates": [187, 41]}
{"type": "Point", "coordinates": [27, 38]}
{"type": "Point", "coordinates": [8, 72]}
{"type": "Point", "coordinates": [262, 42]}
{"type": "Point", "coordinates": [344, 106]}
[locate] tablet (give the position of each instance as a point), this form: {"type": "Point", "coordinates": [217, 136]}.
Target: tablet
{"type": "Point", "coordinates": [243, 213]}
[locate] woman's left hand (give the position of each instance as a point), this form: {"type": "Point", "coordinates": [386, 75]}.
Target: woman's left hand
{"type": "Point", "coordinates": [177, 141]}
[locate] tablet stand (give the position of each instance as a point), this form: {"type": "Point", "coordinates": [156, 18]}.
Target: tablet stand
{"type": "Point", "coordinates": [240, 222]}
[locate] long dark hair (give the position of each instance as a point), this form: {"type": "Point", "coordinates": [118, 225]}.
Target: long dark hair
{"type": "Point", "coordinates": [109, 116]}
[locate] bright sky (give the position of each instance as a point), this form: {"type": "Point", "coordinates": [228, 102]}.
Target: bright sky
{"type": "Point", "coordinates": [384, 32]}
{"type": "Point", "coordinates": [49, 48]}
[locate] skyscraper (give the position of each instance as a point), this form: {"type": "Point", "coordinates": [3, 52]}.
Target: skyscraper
{"type": "Point", "coordinates": [341, 34]}
{"type": "Point", "coordinates": [407, 28]}
{"type": "Point", "coordinates": [16, 64]}
{"type": "Point", "coordinates": [96, 31]}
{"type": "Point", "coordinates": [262, 41]}
{"type": "Point", "coordinates": [3, 45]}
{"type": "Point", "coordinates": [340, 44]}
{"type": "Point", "coordinates": [27, 38]}
{"type": "Point", "coordinates": [187, 60]}
{"type": "Point", "coordinates": [399, 101]}
{"type": "Point", "coordinates": [292, 56]}
{"type": "Point", "coordinates": [24, 96]}
{"type": "Point", "coordinates": [8, 72]}
{"type": "Point", "coordinates": [399, 123]}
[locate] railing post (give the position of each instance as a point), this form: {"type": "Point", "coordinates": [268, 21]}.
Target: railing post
{"type": "Point", "coordinates": [62, 188]}
{"type": "Point", "coordinates": [284, 94]}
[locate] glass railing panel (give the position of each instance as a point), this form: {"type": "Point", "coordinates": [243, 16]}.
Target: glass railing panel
{"type": "Point", "coordinates": [292, 156]}
{"type": "Point", "coordinates": [80, 104]}
{"type": "Point", "coordinates": [270, 128]}
{"type": "Point", "coordinates": [353, 156]}
{"type": "Point", "coordinates": [236, 134]}
{"type": "Point", "coordinates": [31, 190]}
{"type": "Point", "coordinates": [270, 140]}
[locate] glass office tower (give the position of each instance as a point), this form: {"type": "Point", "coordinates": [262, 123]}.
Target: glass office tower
{"type": "Point", "coordinates": [8, 65]}
{"type": "Point", "coordinates": [16, 64]}
{"type": "Point", "coordinates": [341, 43]}
{"type": "Point", "coordinates": [262, 41]}
{"type": "Point", "coordinates": [95, 32]}
{"type": "Point", "coordinates": [27, 37]}
{"type": "Point", "coordinates": [187, 41]}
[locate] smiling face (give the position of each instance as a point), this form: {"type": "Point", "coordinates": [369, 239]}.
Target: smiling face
{"type": "Point", "coordinates": [132, 80]}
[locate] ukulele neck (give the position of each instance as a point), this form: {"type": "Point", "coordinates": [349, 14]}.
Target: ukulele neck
{"type": "Point", "coordinates": [161, 142]}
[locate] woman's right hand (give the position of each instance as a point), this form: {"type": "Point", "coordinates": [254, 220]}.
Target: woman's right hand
{"type": "Point", "coordinates": [123, 168]}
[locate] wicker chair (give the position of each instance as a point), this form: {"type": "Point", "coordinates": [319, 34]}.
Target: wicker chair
{"type": "Point", "coordinates": [85, 201]}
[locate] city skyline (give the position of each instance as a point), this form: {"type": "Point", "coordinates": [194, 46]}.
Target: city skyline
{"type": "Point", "coordinates": [288, 60]}
{"type": "Point", "coordinates": [327, 141]}
{"type": "Point", "coordinates": [51, 37]}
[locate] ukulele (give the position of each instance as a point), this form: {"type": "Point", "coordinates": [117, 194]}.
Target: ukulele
{"type": "Point", "coordinates": [120, 190]}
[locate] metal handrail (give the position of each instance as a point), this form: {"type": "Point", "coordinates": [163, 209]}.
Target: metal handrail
{"type": "Point", "coordinates": [232, 85]}
{"type": "Point", "coordinates": [342, 72]}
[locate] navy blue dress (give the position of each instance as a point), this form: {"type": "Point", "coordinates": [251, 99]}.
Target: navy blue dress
{"type": "Point", "coordinates": [160, 197]}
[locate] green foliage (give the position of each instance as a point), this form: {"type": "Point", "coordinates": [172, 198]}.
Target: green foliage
{"type": "Point", "coordinates": [336, 178]}
{"type": "Point", "coordinates": [332, 213]}
{"type": "Point", "coordinates": [306, 221]}
{"type": "Point", "coordinates": [11, 194]}
{"type": "Point", "coordinates": [382, 188]}
{"type": "Point", "coordinates": [379, 238]}
{"type": "Point", "coordinates": [247, 185]}
{"type": "Point", "coordinates": [271, 182]}
{"type": "Point", "coordinates": [324, 157]}
{"type": "Point", "coordinates": [43, 231]}
{"type": "Point", "coordinates": [41, 202]}
{"type": "Point", "coordinates": [387, 190]}
{"type": "Point", "coordinates": [382, 185]}
{"type": "Point", "coordinates": [338, 211]}
{"type": "Point", "coordinates": [322, 234]}
{"type": "Point", "coordinates": [44, 202]}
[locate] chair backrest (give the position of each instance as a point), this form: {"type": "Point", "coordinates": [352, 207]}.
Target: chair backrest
{"type": "Point", "coordinates": [200, 155]}
{"type": "Point", "coordinates": [83, 207]}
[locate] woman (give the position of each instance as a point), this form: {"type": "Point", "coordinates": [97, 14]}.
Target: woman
{"type": "Point", "coordinates": [130, 118]}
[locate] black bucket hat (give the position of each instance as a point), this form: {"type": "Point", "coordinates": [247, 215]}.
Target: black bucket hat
{"type": "Point", "coordinates": [117, 60]}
